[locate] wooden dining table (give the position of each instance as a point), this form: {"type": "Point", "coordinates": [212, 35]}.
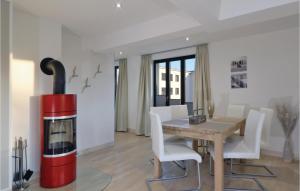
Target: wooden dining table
{"type": "Point", "coordinates": [216, 130]}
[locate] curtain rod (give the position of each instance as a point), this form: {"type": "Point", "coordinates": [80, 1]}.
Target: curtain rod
{"type": "Point", "coordinates": [174, 49]}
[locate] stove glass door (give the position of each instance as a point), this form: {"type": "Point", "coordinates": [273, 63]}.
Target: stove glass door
{"type": "Point", "coordinates": [60, 135]}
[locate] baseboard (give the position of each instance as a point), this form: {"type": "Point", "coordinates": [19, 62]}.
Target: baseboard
{"type": "Point", "coordinates": [93, 149]}
{"type": "Point", "coordinates": [132, 131]}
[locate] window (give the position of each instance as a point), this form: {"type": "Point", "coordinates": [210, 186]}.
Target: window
{"type": "Point", "coordinates": [116, 79]}
{"type": "Point", "coordinates": [160, 78]}
{"type": "Point", "coordinates": [176, 87]}
{"type": "Point", "coordinates": [163, 76]}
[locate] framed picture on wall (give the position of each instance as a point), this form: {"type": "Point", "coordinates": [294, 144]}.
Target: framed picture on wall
{"type": "Point", "coordinates": [239, 65]}
{"type": "Point", "coordinates": [239, 80]}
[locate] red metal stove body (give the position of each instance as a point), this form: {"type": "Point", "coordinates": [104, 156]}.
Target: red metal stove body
{"type": "Point", "coordinates": [58, 140]}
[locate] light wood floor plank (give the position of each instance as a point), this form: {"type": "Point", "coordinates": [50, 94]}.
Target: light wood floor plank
{"type": "Point", "coordinates": [128, 163]}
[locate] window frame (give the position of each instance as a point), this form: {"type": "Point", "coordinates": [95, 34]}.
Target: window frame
{"type": "Point", "coordinates": [182, 75]}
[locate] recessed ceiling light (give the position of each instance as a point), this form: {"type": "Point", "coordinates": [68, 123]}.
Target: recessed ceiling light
{"type": "Point", "coordinates": [187, 38]}
{"type": "Point", "coordinates": [121, 52]}
{"type": "Point", "coordinates": [118, 5]}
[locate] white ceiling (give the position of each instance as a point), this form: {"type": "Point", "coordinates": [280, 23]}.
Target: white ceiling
{"type": "Point", "coordinates": [150, 25]}
{"type": "Point", "coordinates": [97, 17]}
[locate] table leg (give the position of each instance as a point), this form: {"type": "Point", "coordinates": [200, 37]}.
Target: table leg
{"type": "Point", "coordinates": [242, 128]}
{"type": "Point", "coordinates": [219, 163]}
{"type": "Point", "coordinates": [157, 168]}
{"type": "Point", "coordinates": [195, 145]}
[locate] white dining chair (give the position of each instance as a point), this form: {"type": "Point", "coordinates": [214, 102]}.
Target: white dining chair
{"type": "Point", "coordinates": [263, 142]}
{"type": "Point", "coordinates": [165, 114]}
{"type": "Point", "coordinates": [246, 147]}
{"type": "Point", "coordinates": [235, 111]}
{"type": "Point", "coordinates": [179, 111]}
{"type": "Point", "coordinates": [170, 152]}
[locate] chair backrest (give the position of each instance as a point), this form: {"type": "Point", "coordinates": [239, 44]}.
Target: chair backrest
{"type": "Point", "coordinates": [254, 125]}
{"type": "Point", "coordinates": [164, 112]}
{"type": "Point", "coordinates": [265, 136]}
{"type": "Point", "coordinates": [235, 111]}
{"type": "Point", "coordinates": [156, 135]}
{"type": "Point", "coordinates": [179, 111]}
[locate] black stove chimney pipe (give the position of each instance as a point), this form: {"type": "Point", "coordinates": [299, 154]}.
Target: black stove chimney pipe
{"type": "Point", "coordinates": [53, 67]}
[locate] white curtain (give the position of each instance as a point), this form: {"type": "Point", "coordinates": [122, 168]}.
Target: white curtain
{"type": "Point", "coordinates": [143, 117]}
{"type": "Point", "coordinates": [121, 104]}
{"type": "Point", "coordinates": [202, 88]}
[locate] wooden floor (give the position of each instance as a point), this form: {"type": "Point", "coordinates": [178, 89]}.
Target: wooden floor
{"type": "Point", "coordinates": [128, 163]}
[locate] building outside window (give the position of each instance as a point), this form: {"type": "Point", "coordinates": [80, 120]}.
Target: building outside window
{"type": "Point", "coordinates": [177, 78]}
{"type": "Point", "coordinates": [163, 76]}
{"type": "Point", "coordinates": [163, 91]}
{"type": "Point", "coordinates": [177, 91]}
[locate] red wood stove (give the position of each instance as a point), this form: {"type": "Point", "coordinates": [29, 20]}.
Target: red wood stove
{"type": "Point", "coordinates": [58, 131]}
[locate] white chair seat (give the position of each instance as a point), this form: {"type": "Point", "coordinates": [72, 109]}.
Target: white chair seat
{"type": "Point", "coordinates": [169, 152]}
{"type": "Point", "coordinates": [235, 150]}
{"type": "Point", "coordinates": [178, 153]}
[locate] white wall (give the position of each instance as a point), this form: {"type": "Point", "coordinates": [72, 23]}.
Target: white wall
{"type": "Point", "coordinates": [50, 45]}
{"type": "Point", "coordinates": [272, 73]}
{"type": "Point", "coordinates": [96, 104]}
{"type": "Point", "coordinates": [5, 39]}
{"type": "Point", "coordinates": [24, 79]}
{"type": "Point", "coordinates": [35, 38]}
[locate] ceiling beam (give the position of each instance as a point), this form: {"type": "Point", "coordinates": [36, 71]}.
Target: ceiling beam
{"type": "Point", "coordinates": [202, 10]}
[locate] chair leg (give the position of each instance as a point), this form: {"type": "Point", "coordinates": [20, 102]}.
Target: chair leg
{"type": "Point", "coordinates": [261, 187]}
{"type": "Point", "coordinates": [199, 175]}
{"type": "Point", "coordinates": [233, 176]}
{"type": "Point", "coordinates": [148, 181]}
{"type": "Point", "coordinates": [210, 165]}
{"type": "Point", "coordinates": [270, 173]}
{"type": "Point", "coordinates": [199, 179]}
{"type": "Point", "coordinates": [180, 165]}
